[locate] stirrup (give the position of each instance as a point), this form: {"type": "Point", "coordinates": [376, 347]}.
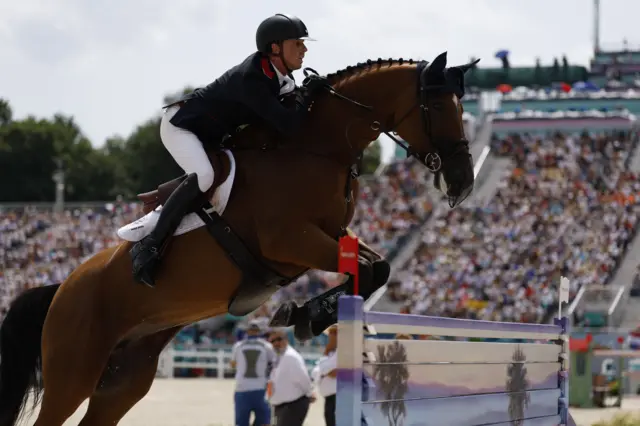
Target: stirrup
{"type": "Point", "coordinates": [149, 244]}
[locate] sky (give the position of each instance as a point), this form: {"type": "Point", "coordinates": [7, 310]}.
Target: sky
{"type": "Point", "coordinates": [110, 63]}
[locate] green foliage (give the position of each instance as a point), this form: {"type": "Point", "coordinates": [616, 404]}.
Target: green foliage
{"type": "Point", "coordinates": [5, 112]}
{"type": "Point", "coordinates": [624, 419]}
{"type": "Point", "coordinates": [32, 150]}
{"type": "Point", "coordinates": [27, 152]}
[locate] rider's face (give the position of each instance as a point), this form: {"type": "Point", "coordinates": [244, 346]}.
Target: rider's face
{"type": "Point", "coordinates": [293, 52]}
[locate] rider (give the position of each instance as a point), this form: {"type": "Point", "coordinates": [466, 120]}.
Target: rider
{"type": "Point", "coordinates": [247, 93]}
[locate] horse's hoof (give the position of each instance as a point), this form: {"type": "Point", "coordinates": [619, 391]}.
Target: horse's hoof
{"type": "Point", "coordinates": [365, 272]}
{"type": "Point", "coordinates": [302, 332]}
{"type": "Point", "coordinates": [318, 327]}
{"type": "Point", "coordinates": [381, 272]}
{"type": "Point", "coordinates": [285, 315]}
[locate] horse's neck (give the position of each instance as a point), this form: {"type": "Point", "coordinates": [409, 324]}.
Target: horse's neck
{"type": "Point", "coordinates": [337, 130]}
{"type": "Point", "coordinates": [309, 142]}
{"type": "Point", "coordinates": [318, 146]}
{"type": "Point", "coordinates": [343, 129]}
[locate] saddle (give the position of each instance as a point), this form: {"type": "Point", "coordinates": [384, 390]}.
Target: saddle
{"type": "Point", "coordinates": [152, 199]}
{"type": "Point", "coordinates": [259, 281]}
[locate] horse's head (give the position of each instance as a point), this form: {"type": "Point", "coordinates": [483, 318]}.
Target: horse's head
{"type": "Point", "coordinates": [420, 102]}
{"type": "Point", "coordinates": [429, 119]}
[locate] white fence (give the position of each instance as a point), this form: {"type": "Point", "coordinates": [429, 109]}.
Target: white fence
{"type": "Point", "coordinates": [216, 360]}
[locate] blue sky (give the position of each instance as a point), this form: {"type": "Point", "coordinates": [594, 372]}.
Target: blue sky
{"type": "Point", "coordinates": [109, 64]}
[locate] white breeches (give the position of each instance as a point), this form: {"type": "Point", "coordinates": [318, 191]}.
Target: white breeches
{"type": "Point", "coordinates": [186, 149]}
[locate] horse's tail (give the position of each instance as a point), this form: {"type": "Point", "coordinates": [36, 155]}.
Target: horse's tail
{"type": "Point", "coordinates": [20, 352]}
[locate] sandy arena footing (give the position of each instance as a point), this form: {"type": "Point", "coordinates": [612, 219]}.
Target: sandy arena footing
{"type": "Point", "coordinates": [209, 402]}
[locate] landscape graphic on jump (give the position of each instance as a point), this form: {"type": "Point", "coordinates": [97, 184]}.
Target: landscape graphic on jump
{"type": "Point", "coordinates": [409, 370]}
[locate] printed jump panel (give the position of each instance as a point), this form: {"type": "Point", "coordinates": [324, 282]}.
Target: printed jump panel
{"type": "Point", "coordinates": [437, 381]}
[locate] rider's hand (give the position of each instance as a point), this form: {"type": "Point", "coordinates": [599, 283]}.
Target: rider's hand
{"type": "Point", "coordinates": [314, 83]}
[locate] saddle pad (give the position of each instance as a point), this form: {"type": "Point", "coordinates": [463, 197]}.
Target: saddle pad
{"type": "Point", "coordinates": [140, 228]}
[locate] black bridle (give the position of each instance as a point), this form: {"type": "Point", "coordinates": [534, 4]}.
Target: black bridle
{"type": "Point", "coordinates": [443, 148]}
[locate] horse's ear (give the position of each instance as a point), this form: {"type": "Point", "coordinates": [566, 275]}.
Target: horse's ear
{"type": "Point", "coordinates": [439, 63]}
{"type": "Point", "coordinates": [466, 67]}
{"type": "Point", "coordinates": [434, 72]}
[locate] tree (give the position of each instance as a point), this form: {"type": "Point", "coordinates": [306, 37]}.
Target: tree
{"type": "Point", "coordinates": [88, 173]}
{"type": "Point", "coordinates": [115, 151]}
{"type": "Point", "coordinates": [371, 158]}
{"type": "Point", "coordinates": [517, 385]}
{"type": "Point", "coordinates": [391, 375]}
{"type": "Point", "coordinates": [32, 149]}
{"type": "Point", "coordinates": [27, 150]}
{"type": "Point", "coordinates": [6, 114]}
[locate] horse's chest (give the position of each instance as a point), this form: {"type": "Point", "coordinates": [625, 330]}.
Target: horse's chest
{"type": "Point", "coordinates": [337, 215]}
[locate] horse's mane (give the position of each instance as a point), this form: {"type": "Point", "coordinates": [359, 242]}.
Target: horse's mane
{"type": "Point", "coordinates": [341, 75]}
{"type": "Point", "coordinates": [369, 65]}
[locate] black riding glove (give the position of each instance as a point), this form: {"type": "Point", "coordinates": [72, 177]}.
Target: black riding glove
{"type": "Point", "coordinates": [315, 83]}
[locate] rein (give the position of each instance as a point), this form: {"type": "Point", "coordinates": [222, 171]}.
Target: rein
{"type": "Point", "coordinates": [431, 160]}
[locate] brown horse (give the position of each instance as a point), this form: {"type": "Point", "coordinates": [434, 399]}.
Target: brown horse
{"type": "Point", "coordinates": [98, 335]}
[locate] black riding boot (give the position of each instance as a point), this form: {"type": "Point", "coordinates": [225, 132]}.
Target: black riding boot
{"type": "Point", "coordinates": [147, 252]}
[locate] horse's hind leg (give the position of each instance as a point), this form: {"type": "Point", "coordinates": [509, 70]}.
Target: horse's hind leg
{"type": "Point", "coordinates": [127, 380]}
{"type": "Point", "coordinates": [67, 383]}
{"type": "Point", "coordinates": [72, 366]}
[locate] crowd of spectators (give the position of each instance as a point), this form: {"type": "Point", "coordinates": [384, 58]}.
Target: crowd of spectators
{"type": "Point", "coordinates": [635, 286]}
{"type": "Point", "coordinates": [567, 206]}
{"type": "Point", "coordinates": [39, 247]}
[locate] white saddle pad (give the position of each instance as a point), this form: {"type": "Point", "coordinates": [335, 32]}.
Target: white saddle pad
{"type": "Point", "coordinates": [137, 230]}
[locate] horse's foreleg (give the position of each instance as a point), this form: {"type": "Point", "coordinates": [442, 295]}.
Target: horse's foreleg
{"type": "Point", "coordinates": [381, 267]}
{"type": "Point", "coordinates": [364, 249]}
{"type": "Point", "coordinates": [303, 245]}
{"type": "Point", "coordinates": [311, 247]}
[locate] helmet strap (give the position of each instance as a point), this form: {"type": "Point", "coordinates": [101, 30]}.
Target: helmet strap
{"type": "Point", "coordinates": [281, 56]}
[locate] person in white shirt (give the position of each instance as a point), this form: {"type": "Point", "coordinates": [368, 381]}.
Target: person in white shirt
{"type": "Point", "coordinates": [252, 358]}
{"type": "Point", "coordinates": [324, 374]}
{"type": "Point", "coordinates": [291, 387]}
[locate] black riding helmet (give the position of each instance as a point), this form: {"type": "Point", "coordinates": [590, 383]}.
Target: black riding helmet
{"type": "Point", "coordinates": [277, 28]}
